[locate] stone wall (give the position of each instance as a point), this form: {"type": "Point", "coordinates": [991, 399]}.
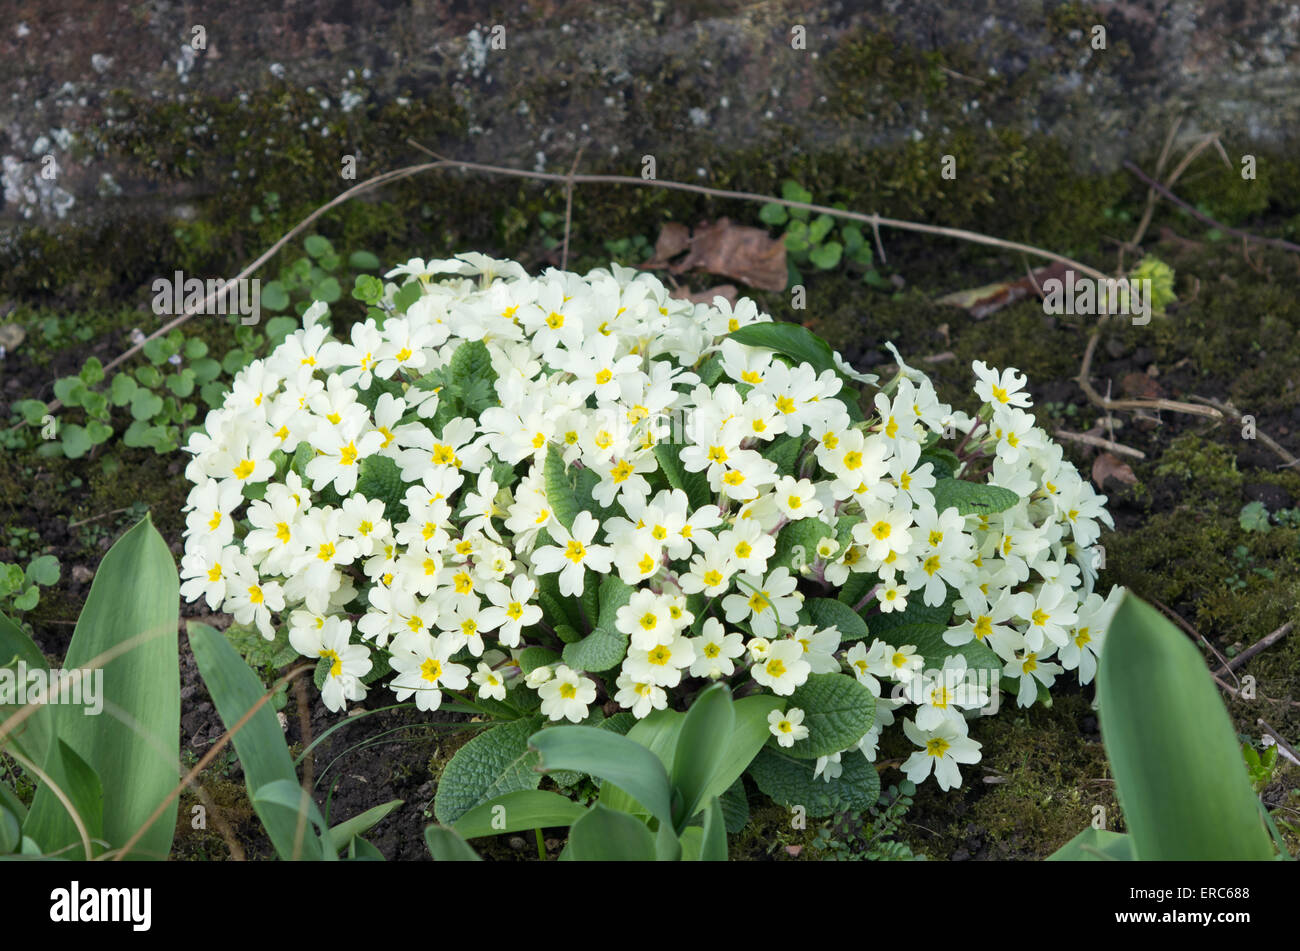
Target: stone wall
{"type": "Point", "coordinates": [621, 79]}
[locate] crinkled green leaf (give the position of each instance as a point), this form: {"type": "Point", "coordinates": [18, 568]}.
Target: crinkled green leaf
{"type": "Point", "coordinates": [972, 498]}
{"type": "Point", "coordinates": [827, 612]}
{"type": "Point", "coordinates": [602, 649]}
{"type": "Point", "coordinates": [789, 781]}
{"type": "Point", "coordinates": [495, 762]}
{"type": "Point", "coordinates": [838, 711]}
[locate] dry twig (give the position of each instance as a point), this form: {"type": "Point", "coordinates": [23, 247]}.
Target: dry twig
{"type": "Point", "coordinates": [1262, 644]}
{"type": "Point", "coordinates": [1100, 443]}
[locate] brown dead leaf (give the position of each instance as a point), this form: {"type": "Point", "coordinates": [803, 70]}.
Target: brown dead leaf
{"type": "Point", "coordinates": [706, 296]}
{"type": "Point", "coordinates": [1108, 465]}
{"type": "Point", "coordinates": [1140, 386]}
{"type": "Point", "coordinates": [980, 302]}
{"type": "Point", "coordinates": [737, 251]}
{"type": "Point", "coordinates": [674, 238]}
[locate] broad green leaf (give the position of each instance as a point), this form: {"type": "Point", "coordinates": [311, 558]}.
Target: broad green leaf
{"type": "Point", "coordinates": [918, 622]}
{"type": "Point", "coordinates": [381, 480]}
{"type": "Point", "coordinates": [796, 544]}
{"type": "Point", "coordinates": [9, 799]}
{"type": "Point", "coordinates": [317, 245]}
{"type": "Point", "coordinates": [11, 832]}
{"type": "Point", "coordinates": [668, 845]}
{"type": "Point", "coordinates": [44, 570]}
{"type": "Point", "coordinates": [802, 346]}
{"type": "Point", "coordinates": [49, 823]}
{"type": "Point", "coordinates": [735, 806]}
{"type": "Point", "coordinates": [972, 498]}
{"type": "Point", "coordinates": [446, 846]}
{"type": "Point", "coordinates": [793, 340]}
{"type": "Point", "coordinates": [33, 411]}
{"type": "Point", "coordinates": [274, 296]}
{"type": "Point", "coordinates": [694, 484]}
{"type": "Point", "coordinates": [329, 290]}
{"type": "Point", "coordinates": [713, 847]}
{"type": "Point", "coordinates": [559, 490]}
{"type": "Point", "coordinates": [343, 833]}
{"type": "Point", "coordinates": [496, 761]}
{"type": "Point", "coordinates": [603, 835]}
{"type": "Point", "coordinates": [855, 588]}
{"type": "Point", "coordinates": [134, 744]}
{"type": "Point", "coordinates": [602, 649]}
{"type": "Point", "coordinates": [32, 736]}
{"type": "Point", "coordinates": [76, 441]}
{"type": "Point", "coordinates": [516, 811]}
{"type": "Point", "coordinates": [260, 743]}
{"type": "Point", "coordinates": [748, 736]}
{"type": "Point", "coordinates": [826, 256]}
{"type": "Point", "coordinates": [793, 191]}
{"type": "Point", "coordinates": [288, 806]}
{"type": "Point", "coordinates": [360, 850]}
{"type": "Point", "coordinates": [784, 451]}
{"type": "Point", "coordinates": [614, 594]}
{"type": "Point", "coordinates": [277, 328]}
{"type": "Point", "coordinates": [1172, 748]}
{"type": "Point", "coordinates": [69, 390]}
{"type": "Point", "coordinates": [838, 712]}
{"type": "Point", "coordinates": [145, 405]}
{"type": "Point", "coordinates": [98, 433]}
{"type": "Point", "coordinates": [363, 261]}
{"type": "Point", "coordinates": [472, 376]}
{"type": "Point", "coordinates": [773, 214]}
{"type": "Point", "coordinates": [690, 842]}
{"type": "Point", "coordinates": [929, 643]}
{"type": "Point", "coordinates": [704, 736]}
{"type": "Point", "coordinates": [1095, 845]}
{"type": "Point", "coordinates": [789, 781]}
{"type": "Point", "coordinates": [530, 658]}
{"type": "Point", "coordinates": [944, 461]}
{"type": "Point", "coordinates": [819, 227]}
{"type": "Point", "coordinates": [407, 295]}
{"type": "Point", "coordinates": [827, 612]}
{"type": "Point", "coordinates": [28, 599]}
{"type": "Point", "coordinates": [568, 635]}
{"type": "Point", "coordinates": [613, 758]}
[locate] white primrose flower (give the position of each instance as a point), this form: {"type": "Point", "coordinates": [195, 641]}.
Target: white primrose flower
{"type": "Point", "coordinates": [574, 555]}
{"type": "Point", "coordinates": [567, 695]}
{"type": "Point", "coordinates": [424, 668]}
{"type": "Point", "coordinates": [787, 727]}
{"type": "Point", "coordinates": [942, 748]}
{"type": "Point", "coordinates": [782, 668]}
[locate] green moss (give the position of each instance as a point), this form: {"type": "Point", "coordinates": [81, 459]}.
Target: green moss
{"type": "Point", "coordinates": [770, 832]}
{"type": "Point", "coordinates": [1034, 790]}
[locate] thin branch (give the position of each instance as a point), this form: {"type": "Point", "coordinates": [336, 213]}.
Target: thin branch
{"type": "Point", "coordinates": [876, 221]}
{"type": "Point", "coordinates": [1105, 402]}
{"type": "Point", "coordinates": [1100, 443]}
{"type": "Point", "coordinates": [1236, 416]}
{"type": "Point", "coordinates": [1278, 738]}
{"type": "Point", "coordinates": [1187, 627]}
{"type": "Point", "coordinates": [1264, 643]}
{"type": "Point", "coordinates": [568, 209]}
{"type": "Point", "coordinates": [1206, 219]}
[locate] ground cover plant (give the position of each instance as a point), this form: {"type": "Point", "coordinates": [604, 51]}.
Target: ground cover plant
{"type": "Point", "coordinates": [574, 492]}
